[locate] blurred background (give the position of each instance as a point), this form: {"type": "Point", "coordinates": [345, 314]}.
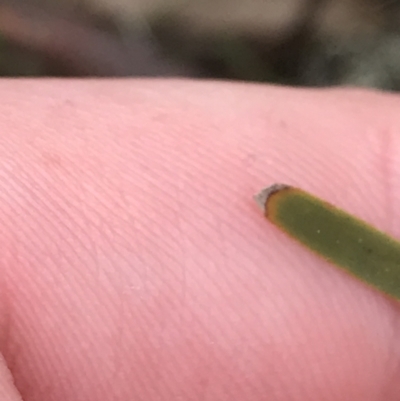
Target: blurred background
{"type": "Point", "coordinates": [292, 42]}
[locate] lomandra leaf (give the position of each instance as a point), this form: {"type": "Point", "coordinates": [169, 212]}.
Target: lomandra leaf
{"type": "Point", "coordinates": [337, 236]}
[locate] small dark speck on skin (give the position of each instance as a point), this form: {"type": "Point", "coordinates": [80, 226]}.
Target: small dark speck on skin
{"type": "Point", "coordinates": [51, 160]}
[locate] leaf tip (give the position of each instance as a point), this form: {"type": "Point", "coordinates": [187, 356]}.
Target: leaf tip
{"type": "Point", "coordinates": [262, 197]}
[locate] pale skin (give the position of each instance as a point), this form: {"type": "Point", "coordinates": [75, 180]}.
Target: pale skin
{"type": "Point", "coordinates": [135, 264]}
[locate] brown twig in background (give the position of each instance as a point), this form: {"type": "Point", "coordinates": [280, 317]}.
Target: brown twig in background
{"type": "Point", "coordinates": [84, 50]}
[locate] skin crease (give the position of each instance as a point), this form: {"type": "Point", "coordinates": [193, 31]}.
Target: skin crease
{"type": "Point", "coordinates": [136, 265]}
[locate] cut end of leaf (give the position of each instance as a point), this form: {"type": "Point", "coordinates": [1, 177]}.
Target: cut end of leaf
{"type": "Point", "coordinates": [262, 197]}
